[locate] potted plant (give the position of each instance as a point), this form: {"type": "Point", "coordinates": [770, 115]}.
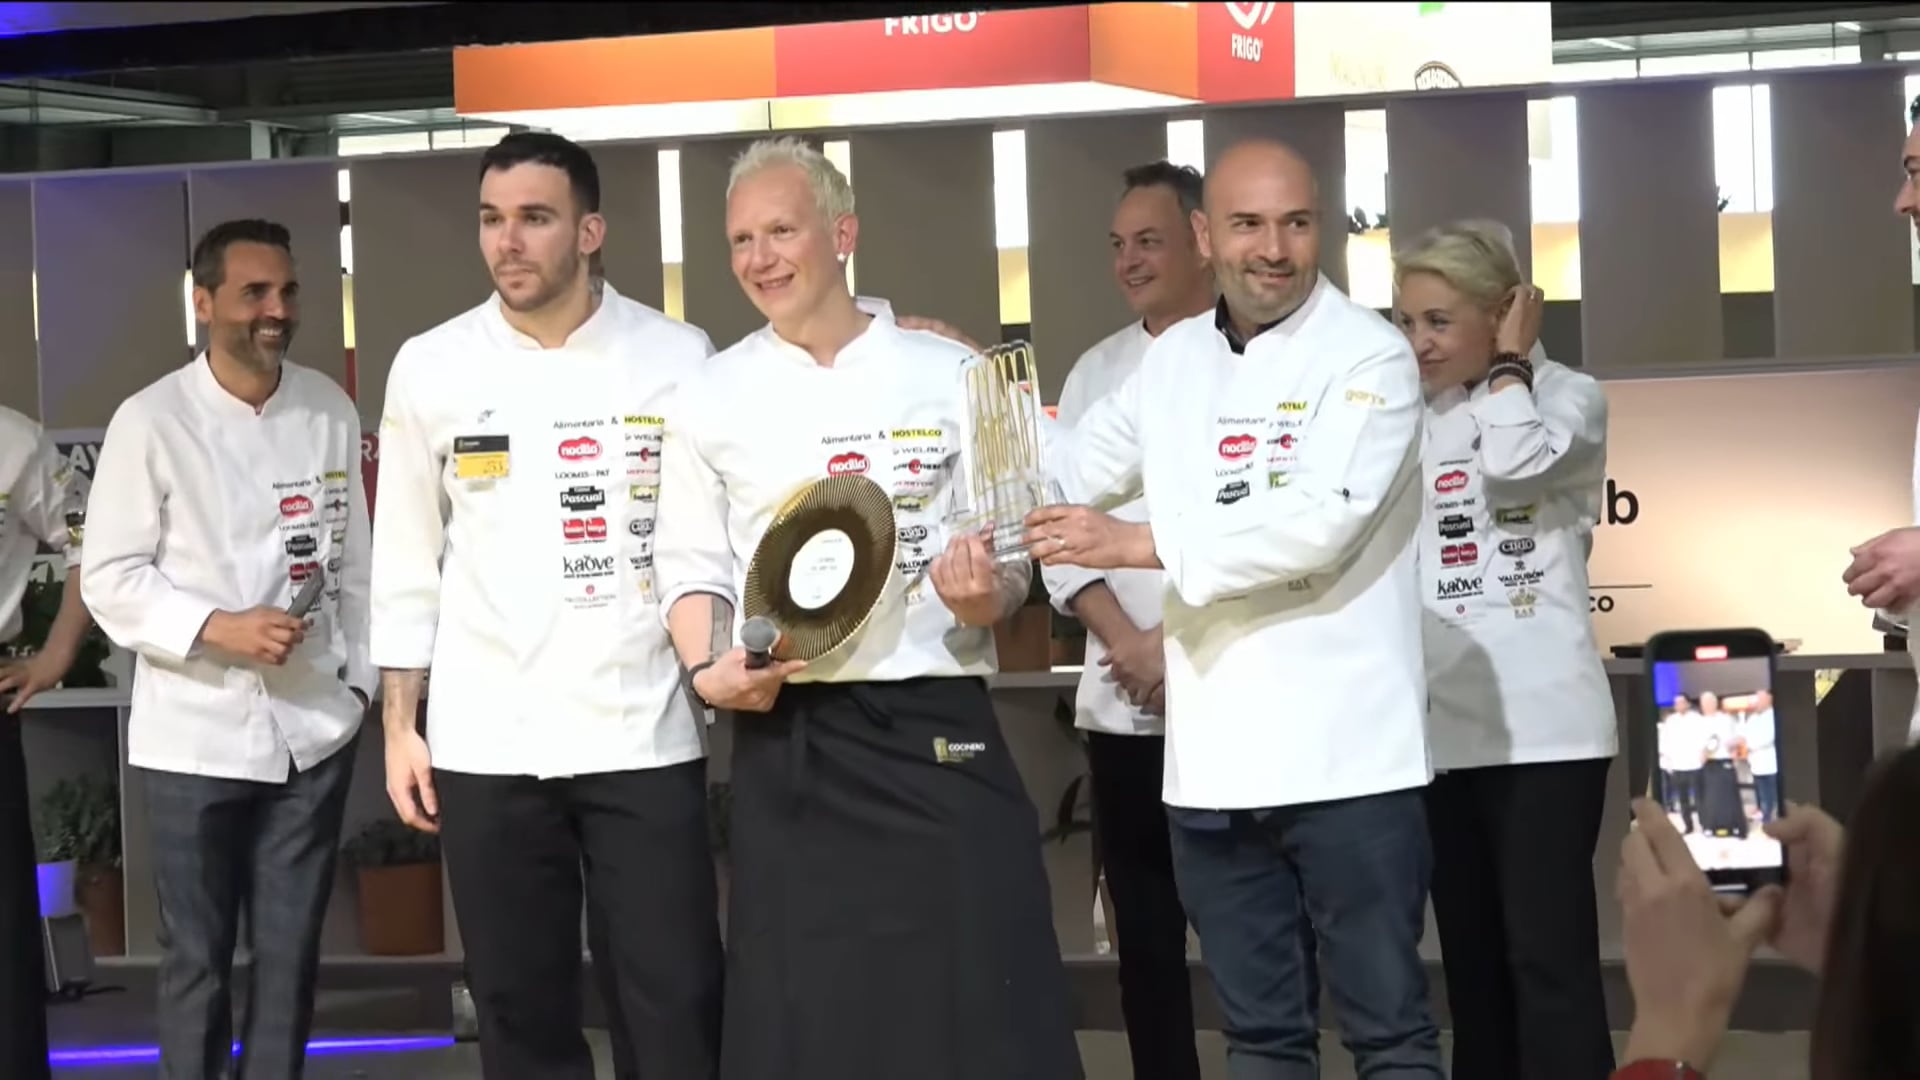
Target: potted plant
{"type": "Point", "coordinates": [37, 611]}
{"type": "Point", "coordinates": [398, 876]}
{"type": "Point", "coordinates": [79, 823]}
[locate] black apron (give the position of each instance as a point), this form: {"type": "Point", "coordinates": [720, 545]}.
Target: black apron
{"type": "Point", "coordinates": [890, 918]}
{"type": "Point", "coordinates": [23, 988]}
{"type": "Point", "coordinates": [1721, 811]}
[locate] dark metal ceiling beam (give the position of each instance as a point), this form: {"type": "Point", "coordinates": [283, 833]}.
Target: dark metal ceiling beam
{"type": "Point", "coordinates": [1581, 20]}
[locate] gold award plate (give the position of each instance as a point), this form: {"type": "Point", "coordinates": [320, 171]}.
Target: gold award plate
{"type": "Point", "coordinates": [823, 565]}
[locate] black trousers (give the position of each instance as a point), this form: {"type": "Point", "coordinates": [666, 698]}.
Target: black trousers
{"type": "Point", "coordinates": [890, 917]}
{"type": "Point", "coordinates": [518, 850]}
{"type": "Point", "coordinates": [1150, 926]}
{"type": "Point", "coordinates": [221, 846]}
{"type": "Point", "coordinates": [1519, 929]}
{"type": "Point", "coordinates": [23, 986]}
{"type": "Point", "coordinates": [1686, 796]}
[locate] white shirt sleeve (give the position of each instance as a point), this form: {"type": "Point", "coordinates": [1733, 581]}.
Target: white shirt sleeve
{"type": "Point", "coordinates": [692, 552]}
{"type": "Point", "coordinates": [49, 501]}
{"type": "Point", "coordinates": [1098, 461]}
{"type": "Point", "coordinates": [131, 600]}
{"type": "Point", "coordinates": [1354, 451]}
{"type": "Point", "coordinates": [410, 535]}
{"type": "Point", "coordinates": [356, 573]}
{"type": "Point", "coordinates": [1543, 439]}
{"type": "Point", "coordinates": [1065, 582]}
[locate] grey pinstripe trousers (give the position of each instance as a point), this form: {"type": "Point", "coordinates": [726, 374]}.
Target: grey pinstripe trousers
{"type": "Point", "coordinates": [218, 845]}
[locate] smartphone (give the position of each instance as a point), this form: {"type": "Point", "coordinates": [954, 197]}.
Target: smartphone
{"type": "Point", "coordinates": [309, 593]}
{"type": "Point", "coordinates": [1717, 767]}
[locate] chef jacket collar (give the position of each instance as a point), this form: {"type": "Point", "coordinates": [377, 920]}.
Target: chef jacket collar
{"type": "Point", "coordinates": [597, 329]}
{"type": "Point", "coordinates": [879, 327]}
{"type": "Point", "coordinates": [221, 400]}
{"type": "Point", "coordinates": [1223, 319]}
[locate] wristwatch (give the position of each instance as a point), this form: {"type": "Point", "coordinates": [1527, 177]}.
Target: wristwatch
{"type": "Point", "coordinates": [691, 673]}
{"type": "Point", "coordinates": [1652, 1069]}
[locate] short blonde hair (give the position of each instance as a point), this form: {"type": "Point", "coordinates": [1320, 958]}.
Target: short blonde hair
{"type": "Point", "coordinates": [1475, 257]}
{"type": "Point", "coordinates": [831, 192]}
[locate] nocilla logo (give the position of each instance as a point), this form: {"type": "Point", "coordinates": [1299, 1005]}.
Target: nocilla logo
{"type": "Point", "coordinates": [955, 753]}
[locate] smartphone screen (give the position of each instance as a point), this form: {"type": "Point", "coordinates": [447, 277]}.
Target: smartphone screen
{"type": "Point", "coordinates": [1717, 762]}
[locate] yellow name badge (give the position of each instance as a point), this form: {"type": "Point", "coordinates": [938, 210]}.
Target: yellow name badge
{"type": "Point", "coordinates": [480, 457]}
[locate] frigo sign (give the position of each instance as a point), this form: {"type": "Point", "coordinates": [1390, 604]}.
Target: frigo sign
{"type": "Point", "coordinates": [1729, 502]}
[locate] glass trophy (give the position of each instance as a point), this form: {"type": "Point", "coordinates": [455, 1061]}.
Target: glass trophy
{"type": "Point", "coordinates": [1002, 449]}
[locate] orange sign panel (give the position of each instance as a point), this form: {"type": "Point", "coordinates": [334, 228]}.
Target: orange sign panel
{"type": "Point", "coordinates": [933, 52]}
{"type": "Point", "coordinates": [1202, 51]}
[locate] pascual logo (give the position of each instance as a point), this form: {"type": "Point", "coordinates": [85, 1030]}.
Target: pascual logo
{"type": "Point", "coordinates": [1235, 447]}
{"type": "Point", "coordinates": [1233, 493]}
{"type": "Point", "coordinates": [294, 506]}
{"type": "Point", "coordinates": [847, 464]}
{"type": "Point", "coordinates": [1249, 16]}
{"type": "Point", "coordinates": [301, 546]}
{"type": "Point", "coordinates": [1455, 526]}
{"type": "Point", "coordinates": [1450, 482]}
{"type": "Point", "coordinates": [582, 498]}
{"type": "Point", "coordinates": [1519, 545]}
{"type": "Point", "coordinates": [580, 449]}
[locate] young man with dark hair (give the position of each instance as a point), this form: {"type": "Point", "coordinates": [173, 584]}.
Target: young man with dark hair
{"type": "Point", "coordinates": [1160, 271]}
{"type": "Point", "coordinates": [224, 491]}
{"type": "Point", "coordinates": [520, 463]}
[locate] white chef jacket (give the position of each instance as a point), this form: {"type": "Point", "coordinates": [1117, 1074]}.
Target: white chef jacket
{"type": "Point", "coordinates": [201, 504]}
{"type": "Point", "coordinates": [764, 419]}
{"type": "Point", "coordinates": [1100, 703]}
{"type": "Point", "coordinates": [1284, 511]}
{"type": "Point", "coordinates": [1763, 752]}
{"type": "Point", "coordinates": [1716, 735]}
{"type": "Point", "coordinates": [39, 503]}
{"type": "Point", "coordinates": [513, 550]}
{"type": "Point", "coordinates": [1679, 742]}
{"type": "Point", "coordinates": [1511, 485]}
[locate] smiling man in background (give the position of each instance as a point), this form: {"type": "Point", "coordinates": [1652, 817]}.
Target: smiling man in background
{"type": "Point", "coordinates": [222, 490]}
{"type": "Point", "coordinates": [1161, 272]}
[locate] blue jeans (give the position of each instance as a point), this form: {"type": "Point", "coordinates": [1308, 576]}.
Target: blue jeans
{"type": "Point", "coordinates": [1257, 885]}
{"type": "Point", "coordinates": [1766, 792]}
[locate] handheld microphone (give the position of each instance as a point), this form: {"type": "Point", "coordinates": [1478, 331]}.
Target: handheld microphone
{"type": "Point", "coordinates": [759, 636]}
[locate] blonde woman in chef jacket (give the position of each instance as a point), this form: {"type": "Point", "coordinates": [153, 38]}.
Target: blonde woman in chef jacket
{"type": "Point", "coordinates": [1520, 715]}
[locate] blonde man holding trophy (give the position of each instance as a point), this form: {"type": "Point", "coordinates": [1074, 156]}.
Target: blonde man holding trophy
{"type": "Point", "coordinates": [889, 908]}
{"type": "Point", "coordinates": [1277, 439]}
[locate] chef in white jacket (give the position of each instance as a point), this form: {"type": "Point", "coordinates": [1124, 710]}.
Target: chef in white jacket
{"type": "Point", "coordinates": [1159, 269]}
{"type": "Point", "coordinates": [1277, 440]}
{"type": "Point", "coordinates": [39, 504]}
{"type": "Point", "coordinates": [1761, 742]}
{"type": "Point", "coordinates": [888, 900]}
{"type": "Point", "coordinates": [520, 464]}
{"type": "Point", "coordinates": [1885, 571]}
{"type": "Point", "coordinates": [1519, 709]}
{"type": "Point", "coordinates": [222, 491]}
